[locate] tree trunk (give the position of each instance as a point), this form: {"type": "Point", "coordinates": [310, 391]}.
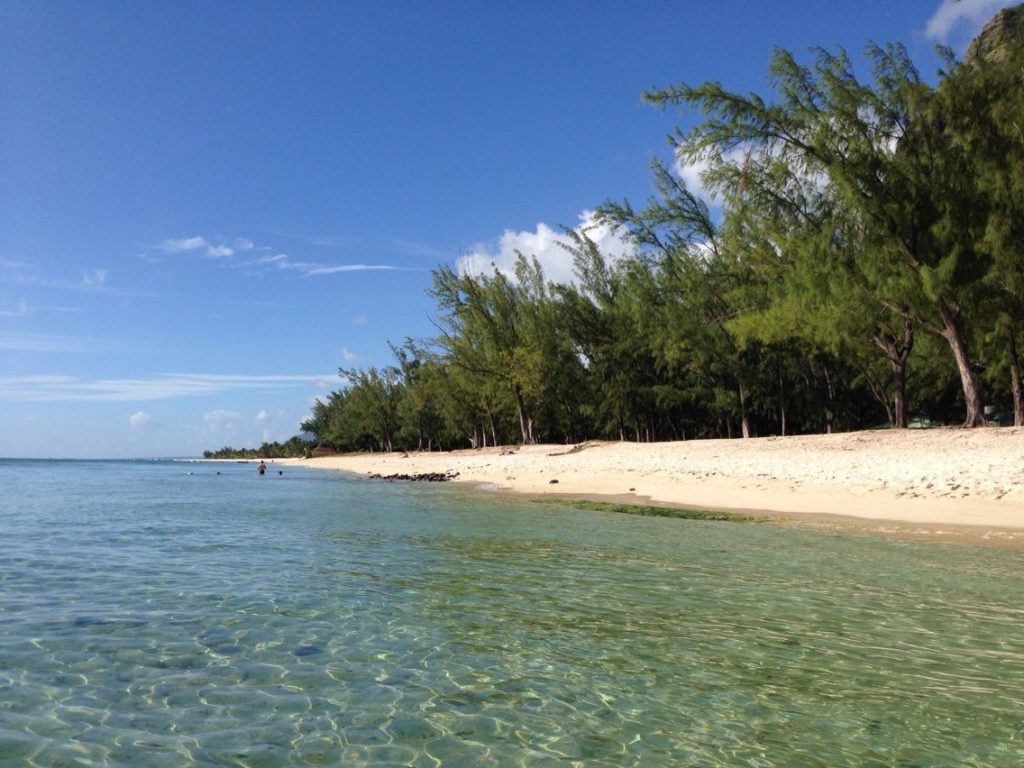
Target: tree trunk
{"type": "Point", "coordinates": [494, 430]}
{"type": "Point", "coordinates": [953, 333]}
{"type": "Point", "coordinates": [782, 400]}
{"type": "Point", "coordinates": [744, 416]}
{"type": "Point", "coordinates": [900, 417]}
{"type": "Point", "coordinates": [880, 394]}
{"type": "Point", "coordinates": [524, 425]}
{"type": "Point", "coordinates": [1015, 379]}
{"type": "Point", "coordinates": [831, 392]}
{"type": "Point", "coordinates": [897, 352]}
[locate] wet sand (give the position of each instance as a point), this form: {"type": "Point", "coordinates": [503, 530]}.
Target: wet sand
{"type": "Point", "coordinates": [936, 483]}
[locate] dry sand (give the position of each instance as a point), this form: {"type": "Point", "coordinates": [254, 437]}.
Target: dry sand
{"type": "Point", "coordinates": [925, 482]}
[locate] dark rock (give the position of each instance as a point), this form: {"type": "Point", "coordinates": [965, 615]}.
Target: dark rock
{"type": "Point", "coordinates": [426, 477]}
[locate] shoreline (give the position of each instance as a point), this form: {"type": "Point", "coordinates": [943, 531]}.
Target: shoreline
{"type": "Point", "coordinates": [936, 483]}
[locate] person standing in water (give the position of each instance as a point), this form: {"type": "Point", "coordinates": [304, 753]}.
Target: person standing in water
{"type": "Point", "coordinates": [262, 467]}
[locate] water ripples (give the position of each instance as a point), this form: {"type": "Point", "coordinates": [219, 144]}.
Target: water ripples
{"type": "Point", "coordinates": [318, 621]}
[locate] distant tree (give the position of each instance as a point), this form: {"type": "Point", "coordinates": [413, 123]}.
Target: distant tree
{"type": "Point", "coordinates": [481, 323]}
{"type": "Point", "coordinates": [420, 417]}
{"type": "Point", "coordinates": [691, 278]}
{"type": "Point", "coordinates": [374, 396]}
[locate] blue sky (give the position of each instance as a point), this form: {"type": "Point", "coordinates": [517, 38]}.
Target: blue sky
{"type": "Point", "coordinates": [207, 208]}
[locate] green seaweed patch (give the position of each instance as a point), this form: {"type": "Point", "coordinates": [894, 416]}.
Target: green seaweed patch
{"type": "Point", "coordinates": [650, 511]}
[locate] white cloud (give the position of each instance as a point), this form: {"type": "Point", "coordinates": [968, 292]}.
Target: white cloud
{"type": "Point", "coordinates": [183, 245]}
{"type": "Point", "coordinates": [262, 416]}
{"type": "Point", "coordinates": [959, 21]}
{"type": "Point", "coordinates": [215, 248]}
{"type": "Point", "coordinates": [693, 177]}
{"type": "Point", "coordinates": [548, 246]}
{"type": "Point", "coordinates": [140, 419]}
{"type": "Point", "coordinates": [348, 356]}
{"type": "Point", "coordinates": [692, 173]}
{"type": "Point", "coordinates": [49, 388]}
{"type": "Point", "coordinates": [360, 320]}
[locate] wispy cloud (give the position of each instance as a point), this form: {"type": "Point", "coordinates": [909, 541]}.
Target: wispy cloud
{"type": "Point", "coordinates": [956, 22]}
{"type": "Point", "coordinates": [320, 242]}
{"type": "Point", "coordinates": [314, 269]}
{"type": "Point", "coordinates": [49, 342]}
{"type": "Point", "coordinates": [90, 281]}
{"type": "Point", "coordinates": [49, 388]}
{"type": "Point", "coordinates": [243, 253]}
{"type": "Point", "coordinates": [332, 269]}
{"type": "Point", "coordinates": [384, 244]}
{"type": "Point", "coordinates": [23, 309]}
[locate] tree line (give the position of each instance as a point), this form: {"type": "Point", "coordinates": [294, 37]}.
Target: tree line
{"type": "Point", "coordinates": [858, 264]}
{"type": "Point", "coordinates": [293, 448]}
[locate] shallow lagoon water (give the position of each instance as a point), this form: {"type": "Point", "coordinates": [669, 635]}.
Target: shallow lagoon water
{"type": "Point", "coordinates": [161, 614]}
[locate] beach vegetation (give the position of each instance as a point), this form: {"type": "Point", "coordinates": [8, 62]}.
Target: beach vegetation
{"type": "Point", "coordinates": [852, 256]}
{"type": "Point", "coordinates": [293, 448]}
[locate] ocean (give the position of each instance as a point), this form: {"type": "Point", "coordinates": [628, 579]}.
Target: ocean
{"type": "Point", "coordinates": [157, 613]}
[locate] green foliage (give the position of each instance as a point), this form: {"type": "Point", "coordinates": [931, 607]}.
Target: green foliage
{"type": "Point", "coordinates": [866, 264]}
{"type": "Point", "coordinates": [293, 448]}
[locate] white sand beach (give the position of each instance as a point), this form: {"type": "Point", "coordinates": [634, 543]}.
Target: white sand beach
{"type": "Point", "coordinates": [926, 481]}
{"type": "Point", "coordinates": [924, 478]}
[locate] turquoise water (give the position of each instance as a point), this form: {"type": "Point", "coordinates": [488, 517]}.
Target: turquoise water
{"type": "Point", "coordinates": [161, 614]}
